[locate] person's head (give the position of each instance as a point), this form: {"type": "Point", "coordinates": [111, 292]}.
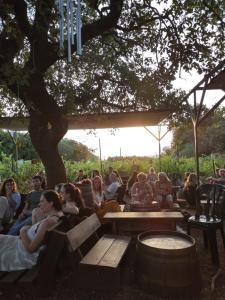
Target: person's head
{"type": "Point", "coordinates": [110, 170]}
{"type": "Point", "coordinates": [8, 184]}
{"type": "Point", "coordinates": [222, 173]}
{"type": "Point", "coordinates": [73, 194]}
{"type": "Point", "coordinates": [186, 174]}
{"type": "Point", "coordinates": [36, 182]}
{"type": "Point", "coordinates": [134, 175]}
{"type": "Point", "coordinates": [151, 170]}
{"type": "Point", "coordinates": [112, 177]}
{"type": "Point", "coordinates": [192, 179]}
{"type": "Point", "coordinates": [97, 184]}
{"type": "Point", "coordinates": [95, 173]}
{"type": "Point", "coordinates": [49, 201]}
{"type": "Point", "coordinates": [141, 177]}
{"type": "Point", "coordinates": [81, 173]}
{"type": "Point", "coordinates": [163, 177]}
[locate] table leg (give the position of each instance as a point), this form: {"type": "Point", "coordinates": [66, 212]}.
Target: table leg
{"type": "Point", "coordinates": [213, 246]}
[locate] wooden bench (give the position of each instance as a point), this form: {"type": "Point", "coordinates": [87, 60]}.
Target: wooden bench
{"type": "Point", "coordinates": [99, 268]}
{"type": "Point", "coordinates": [39, 280]}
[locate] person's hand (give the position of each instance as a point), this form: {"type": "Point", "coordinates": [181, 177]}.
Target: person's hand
{"type": "Point", "coordinates": [23, 230]}
{"type": "Point", "coordinates": [8, 190]}
{"type": "Point", "coordinates": [22, 215]}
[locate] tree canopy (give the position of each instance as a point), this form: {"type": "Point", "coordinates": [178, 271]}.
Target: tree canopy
{"type": "Point", "coordinates": [211, 136]}
{"type": "Point", "coordinates": [132, 51]}
{"type": "Point", "coordinates": [69, 149]}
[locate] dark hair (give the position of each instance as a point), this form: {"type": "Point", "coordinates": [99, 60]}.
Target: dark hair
{"type": "Point", "coordinates": [3, 190]}
{"type": "Point", "coordinates": [95, 173]}
{"type": "Point", "coordinates": [75, 194]}
{"type": "Point", "coordinates": [132, 179]}
{"type": "Point", "coordinates": [58, 187]}
{"type": "Point", "coordinates": [52, 196]}
{"type": "Point", "coordinates": [37, 177]}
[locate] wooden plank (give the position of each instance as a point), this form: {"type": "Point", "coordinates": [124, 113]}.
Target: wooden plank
{"type": "Point", "coordinates": [12, 276]}
{"type": "Point", "coordinates": [116, 252]}
{"type": "Point", "coordinates": [81, 232]}
{"type": "Point", "coordinates": [95, 255]}
{"type": "Point", "coordinates": [30, 275]}
{"type": "Point", "coordinates": [115, 216]}
{"type": "Point", "coordinates": [94, 121]}
{"type": "Point", "coordinates": [108, 251]}
{"type": "Point", "coordinates": [2, 274]}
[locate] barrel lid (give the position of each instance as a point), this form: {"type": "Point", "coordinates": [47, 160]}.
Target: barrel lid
{"type": "Point", "coordinates": [167, 240]}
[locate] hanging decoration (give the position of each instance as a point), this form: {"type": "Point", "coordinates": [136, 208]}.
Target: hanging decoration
{"type": "Point", "coordinates": [68, 6]}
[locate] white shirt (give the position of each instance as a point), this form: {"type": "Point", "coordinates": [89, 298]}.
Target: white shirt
{"type": "Point", "coordinates": [111, 190]}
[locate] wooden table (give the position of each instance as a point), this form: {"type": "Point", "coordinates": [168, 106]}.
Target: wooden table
{"type": "Point", "coordinates": [142, 221]}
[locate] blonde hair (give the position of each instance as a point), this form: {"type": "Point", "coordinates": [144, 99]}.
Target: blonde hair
{"type": "Point", "coordinates": [141, 174]}
{"type": "Point", "coordinates": [191, 179]}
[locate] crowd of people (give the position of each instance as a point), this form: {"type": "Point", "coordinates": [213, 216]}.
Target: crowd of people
{"type": "Point", "coordinates": [23, 230]}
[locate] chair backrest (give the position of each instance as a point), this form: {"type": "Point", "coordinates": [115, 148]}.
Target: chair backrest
{"type": "Point", "coordinates": [81, 232]}
{"type": "Point", "coordinates": [214, 194]}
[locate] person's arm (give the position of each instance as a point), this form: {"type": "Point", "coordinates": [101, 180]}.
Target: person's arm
{"type": "Point", "coordinates": [157, 188]}
{"type": "Point", "coordinates": [169, 188]}
{"type": "Point", "coordinates": [150, 191]}
{"type": "Point", "coordinates": [70, 208]}
{"type": "Point", "coordinates": [13, 198]}
{"type": "Point", "coordinates": [32, 246]}
{"type": "Point", "coordinates": [133, 191]}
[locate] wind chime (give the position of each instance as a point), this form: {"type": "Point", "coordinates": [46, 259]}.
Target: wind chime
{"type": "Point", "coordinates": [68, 6]}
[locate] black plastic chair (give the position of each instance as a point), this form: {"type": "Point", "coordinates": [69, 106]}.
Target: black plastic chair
{"type": "Point", "coordinates": [212, 217]}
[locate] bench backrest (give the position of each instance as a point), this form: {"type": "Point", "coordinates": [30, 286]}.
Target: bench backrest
{"type": "Point", "coordinates": [81, 232]}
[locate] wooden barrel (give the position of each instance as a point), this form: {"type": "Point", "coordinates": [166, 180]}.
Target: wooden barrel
{"type": "Point", "coordinates": [87, 194]}
{"type": "Point", "coordinates": [167, 264]}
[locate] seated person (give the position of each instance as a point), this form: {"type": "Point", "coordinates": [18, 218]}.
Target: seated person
{"type": "Point", "coordinates": [32, 201]}
{"type": "Point", "coordinates": [9, 201]}
{"type": "Point", "coordinates": [97, 186]}
{"type": "Point", "coordinates": [110, 191]}
{"type": "Point", "coordinates": [141, 190]}
{"type": "Point", "coordinates": [189, 190]}
{"type": "Point", "coordinates": [80, 177]}
{"type": "Point", "coordinates": [21, 252]}
{"type": "Point", "coordinates": [152, 176]}
{"type": "Point", "coordinates": [107, 176]}
{"type": "Point", "coordinates": [71, 199]}
{"type": "Point", "coordinates": [132, 179]}
{"type": "Point", "coordinates": [221, 178]}
{"type": "Point", "coordinates": [163, 189]}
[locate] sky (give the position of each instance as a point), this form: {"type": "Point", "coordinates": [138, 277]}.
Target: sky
{"type": "Point", "coordinates": [137, 140]}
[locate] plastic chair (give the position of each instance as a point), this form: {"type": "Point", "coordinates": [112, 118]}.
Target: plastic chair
{"type": "Point", "coordinates": [212, 218]}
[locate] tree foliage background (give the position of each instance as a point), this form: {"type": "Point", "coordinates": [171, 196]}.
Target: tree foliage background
{"type": "Point", "coordinates": [69, 149]}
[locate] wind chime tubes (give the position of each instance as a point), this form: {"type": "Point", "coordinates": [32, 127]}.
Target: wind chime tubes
{"type": "Point", "coordinates": [68, 5]}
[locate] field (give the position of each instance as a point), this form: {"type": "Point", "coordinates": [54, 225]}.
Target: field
{"type": "Point", "coordinates": [173, 167]}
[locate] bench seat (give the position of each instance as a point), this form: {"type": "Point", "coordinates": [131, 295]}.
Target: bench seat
{"type": "Point", "coordinates": [100, 267]}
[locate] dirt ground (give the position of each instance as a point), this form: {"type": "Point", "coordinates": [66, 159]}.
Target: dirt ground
{"type": "Point", "coordinates": [65, 289]}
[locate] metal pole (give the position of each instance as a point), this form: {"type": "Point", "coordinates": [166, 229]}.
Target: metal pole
{"type": "Point", "coordinates": [100, 155]}
{"type": "Point", "coordinates": [195, 125]}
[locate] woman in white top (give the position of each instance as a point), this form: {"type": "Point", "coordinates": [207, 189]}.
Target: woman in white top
{"type": "Point", "coordinates": [21, 252]}
{"type": "Point", "coordinates": [141, 191]}
{"type": "Point", "coordinates": [97, 190]}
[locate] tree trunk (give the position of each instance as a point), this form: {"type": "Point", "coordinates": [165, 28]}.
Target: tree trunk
{"type": "Point", "coordinates": [43, 139]}
{"type": "Point", "coordinates": [47, 127]}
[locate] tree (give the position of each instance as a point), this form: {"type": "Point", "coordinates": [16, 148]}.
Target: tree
{"type": "Point", "coordinates": [74, 151]}
{"type": "Point", "coordinates": [211, 136]}
{"type": "Point", "coordinates": [36, 80]}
